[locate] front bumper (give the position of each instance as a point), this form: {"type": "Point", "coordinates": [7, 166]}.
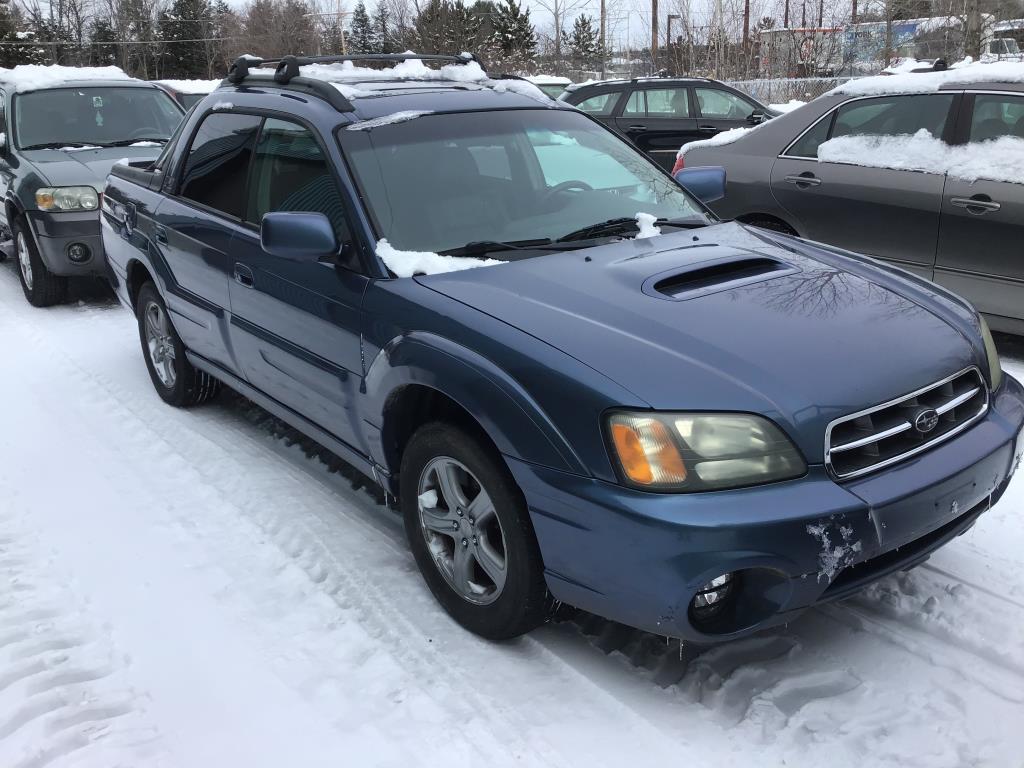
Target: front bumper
{"type": "Point", "coordinates": [639, 558]}
{"type": "Point", "coordinates": [54, 232]}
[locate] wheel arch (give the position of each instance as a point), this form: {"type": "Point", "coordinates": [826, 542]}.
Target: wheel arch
{"type": "Point", "coordinates": [138, 275]}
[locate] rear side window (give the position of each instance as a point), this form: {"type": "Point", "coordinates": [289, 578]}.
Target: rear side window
{"type": "Point", "coordinates": [218, 162]}
{"type": "Point", "coordinates": [807, 145]}
{"type": "Point", "coordinates": [668, 102]}
{"type": "Point", "coordinates": [997, 115]}
{"type": "Point", "coordinates": [291, 173]}
{"type": "Point", "coordinates": [600, 105]}
{"type": "Point", "coordinates": [894, 116]}
{"type": "Point", "coordinates": [721, 105]}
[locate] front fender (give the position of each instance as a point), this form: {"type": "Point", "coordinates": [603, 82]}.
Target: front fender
{"type": "Point", "coordinates": [513, 420]}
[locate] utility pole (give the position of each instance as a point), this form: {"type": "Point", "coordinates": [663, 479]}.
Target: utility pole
{"type": "Point", "coordinates": [604, 49]}
{"type": "Point", "coordinates": [785, 17]}
{"type": "Point", "coordinates": [746, 25]}
{"type": "Point", "coordinates": [654, 37]}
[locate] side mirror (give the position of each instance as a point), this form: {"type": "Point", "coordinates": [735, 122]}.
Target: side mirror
{"type": "Point", "coordinates": [757, 116]}
{"type": "Point", "coordinates": [707, 184]}
{"type": "Point", "coordinates": [298, 236]}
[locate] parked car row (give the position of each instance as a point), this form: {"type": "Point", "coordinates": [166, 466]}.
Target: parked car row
{"type": "Point", "coordinates": [582, 386]}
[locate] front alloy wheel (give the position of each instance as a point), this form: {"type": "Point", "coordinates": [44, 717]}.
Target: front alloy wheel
{"type": "Point", "coordinates": [160, 344]}
{"type": "Point", "coordinates": [42, 288]}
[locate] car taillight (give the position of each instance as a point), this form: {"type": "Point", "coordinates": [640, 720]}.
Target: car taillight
{"type": "Point", "coordinates": [680, 164]}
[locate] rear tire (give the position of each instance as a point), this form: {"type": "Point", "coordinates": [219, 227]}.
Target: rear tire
{"type": "Point", "coordinates": [42, 288]}
{"type": "Point", "coordinates": [471, 533]}
{"type": "Point", "coordinates": [175, 379]}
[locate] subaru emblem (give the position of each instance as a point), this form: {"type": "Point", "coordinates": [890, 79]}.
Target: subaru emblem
{"type": "Point", "coordinates": [926, 421]}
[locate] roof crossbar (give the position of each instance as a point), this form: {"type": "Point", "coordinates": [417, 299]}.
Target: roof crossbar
{"type": "Point", "coordinates": [288, 66]}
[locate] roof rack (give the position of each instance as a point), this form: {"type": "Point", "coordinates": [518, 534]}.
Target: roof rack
{"type": "Point", "coordinates": [288, 66]}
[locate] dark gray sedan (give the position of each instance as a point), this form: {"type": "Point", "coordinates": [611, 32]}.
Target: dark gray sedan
{"type": "Point", "coordinates": [947, 204]}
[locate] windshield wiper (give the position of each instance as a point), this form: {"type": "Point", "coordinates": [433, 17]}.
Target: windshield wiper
{"type": "Point", "coordinates": [481, 247]}
{"type": "Point", "coordinates": [130, 142]}
{"type": "Point", "coordinates": [57, 145]}
{"type": "Point", "coordinates": [626, 224]}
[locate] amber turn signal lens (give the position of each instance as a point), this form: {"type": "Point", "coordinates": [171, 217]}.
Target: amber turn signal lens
{"type": "Point", "coordinates": [646, 451]}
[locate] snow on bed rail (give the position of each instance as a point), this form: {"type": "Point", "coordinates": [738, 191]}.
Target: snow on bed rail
{"type": "Point", "coordinates": [409, 263]}
{"type": "Point", "coordinates": [395, 117]}
{"type": "Point", "coordinates": [33, 77]}
{"type": "Point", "coordinates": [191, 86]}
{"type": "Point", "coordinates": [929, 82]}
{"type": "Point", "coordinates": [999, 159]}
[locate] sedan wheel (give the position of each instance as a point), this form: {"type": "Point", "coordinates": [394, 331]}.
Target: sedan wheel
{"type": "Point", "coordinates": [24, 261]}
{"type": "Point", "coordinates": [160, 344]}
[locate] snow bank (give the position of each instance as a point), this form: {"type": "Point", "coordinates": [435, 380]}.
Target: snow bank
{"type": "Point", "coordinates": [645, 222]}
{"type": "Point", "coordinates": [1000, 159]}
{"type": "Point", "coordinates": [929, 82]}
{"type": "Point", "coordinates": [395, 117]}
{"type": "Point", "coordinates": [33, 77]}
{"type": "Point", "coordinates": [409, 263]}
{"type": "Point", "coordinates": [191, 86]}
{"type": "Point", "coordinates": [718, 140]}
{"type": "Point", "coordinates": [789, 106]}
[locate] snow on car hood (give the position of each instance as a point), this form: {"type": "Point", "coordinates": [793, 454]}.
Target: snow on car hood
{"type": "Point", "coordinates": [816, 340]}
{"type": "Point", "coordinates": [67, 167]}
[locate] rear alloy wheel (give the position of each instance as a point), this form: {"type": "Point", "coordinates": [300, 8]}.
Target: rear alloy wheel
{"type": "Point", "coordinates": [176, 380]}
{"type": "Point", "coordinates": [42, 288]}
{"type": "Point", "coordinates": [470, 531]}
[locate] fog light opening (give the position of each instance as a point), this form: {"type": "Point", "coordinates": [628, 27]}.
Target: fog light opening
{"type": "Point", "coordinates": [712, 598]}
{"type": "Point", "coordinates": [79, 253]}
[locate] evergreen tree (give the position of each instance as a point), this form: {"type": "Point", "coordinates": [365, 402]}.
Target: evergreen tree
{"type": "Point", "coordinates": [361, 37]}
{"type": "Point", "coordinates": [584, 42]}
{"type": "Point", "coordinates": [448, 27]}
{"type": "Point", "coordinates": [184, 29]}
{"type": "Point", "coordinates": [513, 38]}
{"type": "Point", "coordinates": [384, 32]}
{"type": "Point", "coordinates": [18, 48]}
{"type": "Point", "coordinates": [102, 51]}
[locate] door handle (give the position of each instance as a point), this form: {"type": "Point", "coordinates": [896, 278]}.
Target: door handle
{"type": "Point", "coordinates": [804, 181]}
{"type": "Point", "coordinates": [637, 128]}
{"type": "Point", "coordinates": [707, 129]}
{"type": "Point", "coordinates": [160, 233]}
{"type": "Point", "coordinates": [243, 276]}
{"type": "Point", "coordinates": [978, 205]}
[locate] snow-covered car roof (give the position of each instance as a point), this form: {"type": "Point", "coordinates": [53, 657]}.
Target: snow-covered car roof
{"type": "Point", "coordinates": [964, 73]}
{"type": "Point", "coordinates": [548, 80]}
{"type": "Point", "coordinates": [36, 77]}
{"type": "Point", "coordinates": [190, 86]}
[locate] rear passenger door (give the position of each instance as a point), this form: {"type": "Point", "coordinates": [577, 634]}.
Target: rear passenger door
{"type": "Point", "coordinates": [193, 228]}
{"type": "Point", "coordinates": [721, 110]}
{"type": "Point", "coordinates": [981, 235]}
{"type": "Point", "coordinates": [659, 121]}
{"type": "Point", "coordinates": [296, 325]}
{"type": "Point", "coordinates": [890, 214]}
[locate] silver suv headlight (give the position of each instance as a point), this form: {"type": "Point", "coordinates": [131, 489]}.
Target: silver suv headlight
{"type": "Point", "coordinates": [688, 452]}
{"type": "Point", "coordinates": [995, 370]}
{"type": "Point", "coordinates": [67, 199]}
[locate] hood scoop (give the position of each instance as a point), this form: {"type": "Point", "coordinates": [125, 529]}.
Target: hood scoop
{"type": "Point", "coordinates": [704, 277]}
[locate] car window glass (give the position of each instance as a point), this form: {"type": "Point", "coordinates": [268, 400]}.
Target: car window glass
{"type": "Point", "coordinates": [668, 102]}
{"type": "Point", "coordinates": [635, 106]}
{"type": "Point", "coordinates": [997, 115]}
{"type": "Point", "coordinates": [600, 105]}
{"type": "Point", "coordinates": [807, 145]}
{"type": "Point", "coordinates": [290, 173]}
{"type": "Point", "coordinates": [894, 116]}
{"type": "Point", "coordinates": [218, 162]}
{"type": "Point", "coordinates": [722, 105]}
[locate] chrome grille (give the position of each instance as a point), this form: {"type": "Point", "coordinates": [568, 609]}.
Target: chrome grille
{"type": "Point", "coordinates": [891, 432]}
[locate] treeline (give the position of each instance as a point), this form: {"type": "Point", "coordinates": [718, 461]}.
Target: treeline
{"type": "Point", "coordinates": [200, 38]}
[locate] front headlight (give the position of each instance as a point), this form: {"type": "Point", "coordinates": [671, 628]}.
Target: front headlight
{"type": "Point", "coordinates": [688, 452]}
{"type": "Point", "coordinates": [995, 370]}
{"type": "Point", "coordinates": [67, 199]}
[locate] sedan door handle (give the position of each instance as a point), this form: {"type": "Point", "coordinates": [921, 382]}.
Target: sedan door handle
{"type": "Point", "coordinates": [161, 234]}
{"type": "Point", "coordinates": [707, 129]}
{"type": "Point", "coordinates": [804, 181]}
{"type": "Point", "coordinates": [978, 205]}
{"type": "Point", "coordinates": [243, 276]}
{"type": "Point", "coordinates": [636, 128]}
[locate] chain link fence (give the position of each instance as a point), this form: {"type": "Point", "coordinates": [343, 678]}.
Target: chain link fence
{"type": "Point", "coordinates": [782, 90]}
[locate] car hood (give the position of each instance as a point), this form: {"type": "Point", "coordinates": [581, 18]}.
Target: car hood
{"type": "Point", "coordinates": [724, 318]}
{"type": "Point", "coordinates": [68, 167]}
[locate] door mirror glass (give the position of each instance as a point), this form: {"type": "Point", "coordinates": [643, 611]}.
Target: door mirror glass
{"type": "Point", "coordinates": [757, 116]}
{"type": "Point", "coordinates": [298, 236]}
{"type": "Point", "coordinates": [707, 184]}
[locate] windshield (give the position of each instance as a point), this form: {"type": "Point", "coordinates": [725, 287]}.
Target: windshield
{"type": "Point", "coordinates": [439, 182]}
{"type": "Point", "coordinates": [93, 116]}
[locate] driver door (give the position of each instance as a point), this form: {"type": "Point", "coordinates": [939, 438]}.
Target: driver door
{"type": "Point", "coordinates": [719, 110]}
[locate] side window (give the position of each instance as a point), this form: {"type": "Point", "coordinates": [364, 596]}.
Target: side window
{"type": "Point", "coordinates": [807, 145]}
{"type": "Point", "coordinates": [600, 105]}
{"type": "Point", "coordinates": [668, 102]}
{"type": "Point", "coordinates": [894, 115]}
{"type": "Point", "coordinates": [997, 115]}
{"type": "Point", "coordinates": [722, 105]}
{"type": "Point", "coordinates": [290, 173]}
{"type": "Point", "coordinates": [635, 106]}
{"type": "Point", "coordinates": [218, 162]}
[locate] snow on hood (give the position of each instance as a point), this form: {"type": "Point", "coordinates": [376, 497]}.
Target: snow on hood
{"type": "Point", "coordinates": [33, 77]}
{"type": "Point", "coordinates": [409, 263]}
{"type": "Point", "coordinates": [929, 82]}
{"type": "Point", "coordinates": [191, 86]}
{"type": "Point", "coordinates": [395, 117]}
{"type": "Point", "coordinates": [999, 159]}
{"type": "Point", "coordinates": [718, 140]}
{"type": "Point", "coordinates": [645, 224]}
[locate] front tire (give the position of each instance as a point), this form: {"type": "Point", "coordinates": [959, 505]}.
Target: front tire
{"type": "Point", "coordinates": [470, 532]}
{"type": "Point", "coordinates": [42, 288]}
{"type": "Point", "coordinates": [175, 379]}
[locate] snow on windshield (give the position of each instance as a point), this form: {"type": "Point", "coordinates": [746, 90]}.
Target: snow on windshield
{"type": "Point", "coordinates": [999, 159]}
{"type": "Point", "coordinates": [645, 224]}
{"type": "Point", "coordinates": [394, 117]}
{"type": "Point", "coordinates": [33, 77]}
{"type": "Point", "coordinates": [409, 263]}
{"type": "Point", "coordinates": [928, 82]}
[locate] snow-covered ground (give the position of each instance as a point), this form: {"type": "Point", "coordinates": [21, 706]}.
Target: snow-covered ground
{"type": "Point", "coordinates": [199, 589]}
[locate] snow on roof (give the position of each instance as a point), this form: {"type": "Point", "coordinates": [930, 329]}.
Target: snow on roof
{"type": "Point", "coordinates": [395, 117]}
{"type": "Point", "coordinates": [548, 80]}
{"type": "Point", "coordinates": [718, 140]}
{"type": "Point", "coordinates": [999, 159]}
{"type": "Point", "coordinates": [33, 77]}
{"type": "Point", "coordinates": [409, 263]}
{"type": "Point", "coordinates": [191, 86]}
{"type": "Point", "coordinates": [788, 106]}
{"type": "Point", "coordinates": [929, 82]}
